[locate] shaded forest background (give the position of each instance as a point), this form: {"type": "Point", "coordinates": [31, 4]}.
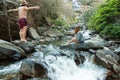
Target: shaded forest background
{"type": "Point", "coordinates": [103, 16]}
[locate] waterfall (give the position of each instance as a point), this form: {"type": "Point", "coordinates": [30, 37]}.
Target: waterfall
{"type": "Point", "coordinates": [76, 5]}
{"type": "Point", "coordinates": [13, 68]}
{"type": "Point", "coordinates": [64, 68]}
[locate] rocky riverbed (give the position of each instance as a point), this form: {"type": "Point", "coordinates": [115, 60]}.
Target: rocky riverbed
{"type": "Point", "coordinates": [34, 60]}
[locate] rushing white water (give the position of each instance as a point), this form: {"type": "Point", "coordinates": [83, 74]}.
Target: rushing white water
{"type": "Point", "coordinates": [86, 34]}
{"type": "Point", "coordinates": [64, 68]}
{"type": "Point", "coordinates": [76, 5]}
{"type": "Point", "coordinates": [13, 68]}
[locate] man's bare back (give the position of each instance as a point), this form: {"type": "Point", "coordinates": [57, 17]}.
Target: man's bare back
{"type": "Point", "coordinates": [22, 12]}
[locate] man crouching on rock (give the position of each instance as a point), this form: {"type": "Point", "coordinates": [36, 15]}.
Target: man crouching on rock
{"type": "Point", "coordinates": [22, 18]}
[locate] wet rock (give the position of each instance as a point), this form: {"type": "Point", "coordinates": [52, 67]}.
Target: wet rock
{"type": "Point", "coordinates": [79, 58]}
{"type": "Point", "coordinates": [49, 39]}
{"type": "Point", "coordinates": [33, 69]}
{"type": "Point", "coordinates": [16, 42]}
{"type": "Point", "coordinates": [116, 68]}
{"type": "Point", "coordinates": [9, 50]}
{"type": "Point", "coordinates": [117, 51]}
{"type": "Point", "coordinates": [38, 79]}
{"type": "Point", "coordinates": [69, 33]}
{"type": "Point", "coordinates": [100, 59]}
{"type": "Point", "coordinates": [54, 33]}
{"type": "Point", "coordinates": [27, 47]}
{"type": "Point", "coordinates": [100, 62]}
{"type": "Point", "coordinates": [41, 30]}
{"type": "Point", "coordinates": [33, 34]}
{"type": "Point", "coordinates": [112, 78]}
{"type": "Point", "coordinates": [81, 46]}
{"type": "Point", "coordinates": [11, 76]}
{"type": "Point", "coordinates": [117, 42]}
{"type": "Point", "coordinates": [7, 53]}
{"type": "Point", "coordinates": [105, 59]}
{"type": "Point", "coordinates": [92, 51]}
{"type": "Point", "coordinates": [2, 56]}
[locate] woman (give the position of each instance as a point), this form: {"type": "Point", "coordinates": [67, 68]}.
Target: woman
{"type": "Point", "coordinates": [79, 38]}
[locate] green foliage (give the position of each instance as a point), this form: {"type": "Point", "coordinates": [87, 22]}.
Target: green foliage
{"type": "Point", "coordinates": [61, 22]}
{"type": "Point", "coordinates": [112, 31]}
{"type": "Point", "coordinates": [107, 14]}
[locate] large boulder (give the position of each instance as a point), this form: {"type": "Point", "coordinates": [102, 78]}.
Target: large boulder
{"type": "Point", "coordinates": [104, 58]}
{"type": "Point", "coordinates": [8, 21]}
{"type": "Point", "coordinates": [9, 50]}
{"type": "Point", "coordinates": [81, 46]}
{"type": "Point", "coordinates": [93, 43]}
{"type": "Point", "coordinates": [33, 69]}
{"type": "Point", "coordinates": [27, 46]}
{"type": "Point", "coordinates": [33, 33]}
{"type": "Point", "coordinates": [54, 33]}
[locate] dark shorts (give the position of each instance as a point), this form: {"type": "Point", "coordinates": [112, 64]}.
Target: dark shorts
{"type": "Point", "coordinates": [22, 22]}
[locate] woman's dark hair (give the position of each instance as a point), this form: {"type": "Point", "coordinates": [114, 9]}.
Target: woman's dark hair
{"type": "Point", "coordinates": [76, 29]}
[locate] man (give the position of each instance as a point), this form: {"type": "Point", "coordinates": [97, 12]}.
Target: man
{"type": "Point", "coordinates": [22, 18]}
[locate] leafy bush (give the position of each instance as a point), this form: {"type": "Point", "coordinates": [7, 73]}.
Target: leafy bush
{"type": "Point", "coordinates": [112, 31]}
{"type": "Point", "coordinates": [107, 14]}
{"type": "Point", "coordinates": [61, 22]}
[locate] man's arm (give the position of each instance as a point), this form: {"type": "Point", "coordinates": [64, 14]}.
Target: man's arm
{"type": "Point", "coordinates": [34, 7]}
{"type": "Point", "coordinates": [11, 10]}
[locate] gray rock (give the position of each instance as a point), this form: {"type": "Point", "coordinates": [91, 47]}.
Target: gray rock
{"type": "Point", "coordinates": [116, 68]}
{"type": "Point", "coordinates": [33, 33]}
{"type": "Point", "coordinates": [11, 76]}
{"type": "Point", "coordinates": [54, 33]}
{"type": "Point", "coordinates": [107, 60]}
{"type": "Point", "coordinates": [27, 47]}
{"type": "Point", "coordinates": [33, 69]}
{"type": "Point", "coordinates": [38, 79]}
{"type": "Point", "coordinates": [81, 46]}
{"type": "Point", "coordinates": [117, 51]}
{"type": "Point", "coordinates": [92, 51]}
{"type": "Point", "coordinates": [9, 50]}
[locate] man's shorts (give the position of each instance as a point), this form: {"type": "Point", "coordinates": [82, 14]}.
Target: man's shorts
{"type": "Point", "coordinates": [22, 22]}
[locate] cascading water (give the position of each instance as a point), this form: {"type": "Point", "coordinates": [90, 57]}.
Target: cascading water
{"type": "Point", "coordinates": [76, 5]}
{"type": "Point", "coordinates": [64, 68]}
{"type": "Point", "coordinates": [13, 68]}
